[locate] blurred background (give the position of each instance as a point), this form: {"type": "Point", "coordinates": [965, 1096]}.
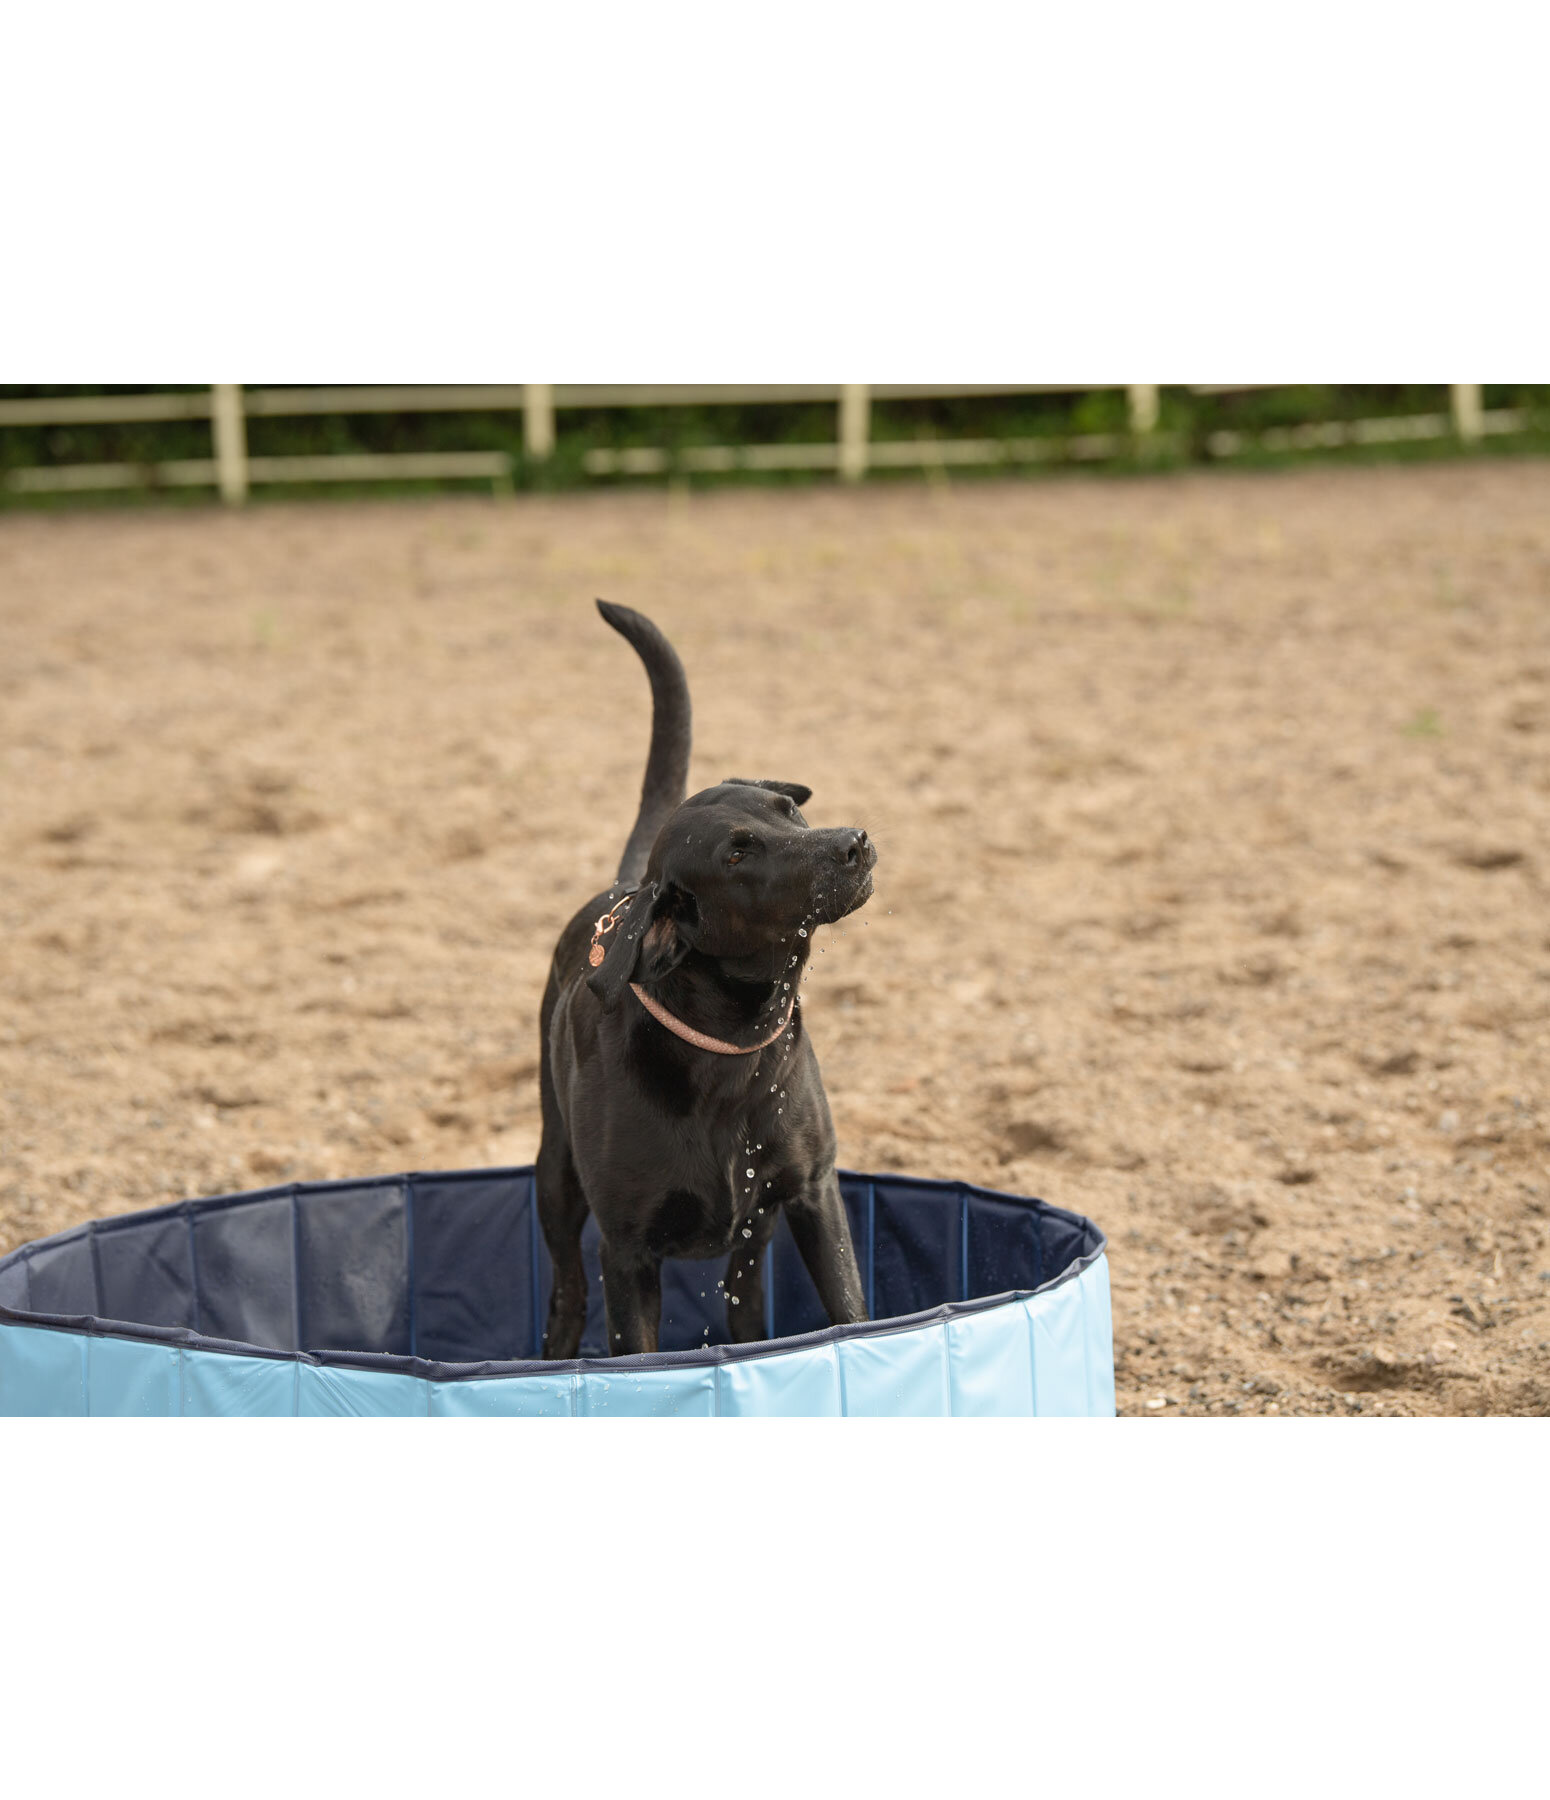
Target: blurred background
{"type": "Point", "coordinates": [100, 441]}
{"type": "Point", "coordinates": [1204, 733]}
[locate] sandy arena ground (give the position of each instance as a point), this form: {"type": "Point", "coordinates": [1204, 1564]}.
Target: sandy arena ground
{"type": "Point", "coordinates": [1211, 900]}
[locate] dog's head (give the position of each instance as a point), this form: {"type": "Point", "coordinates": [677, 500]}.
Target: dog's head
{"type": "Point", "coordinates": [736, 874]}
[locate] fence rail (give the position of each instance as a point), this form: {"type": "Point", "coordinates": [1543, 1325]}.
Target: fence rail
{"type": "Point", "coordinates": [851, 453]}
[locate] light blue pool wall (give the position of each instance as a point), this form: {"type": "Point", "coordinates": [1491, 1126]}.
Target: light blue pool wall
{"type": "Point", "coordinates": [1047, 1356]}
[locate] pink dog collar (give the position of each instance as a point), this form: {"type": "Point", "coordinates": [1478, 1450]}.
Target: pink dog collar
{"type": "Point", "coordinates": [700, 1039]}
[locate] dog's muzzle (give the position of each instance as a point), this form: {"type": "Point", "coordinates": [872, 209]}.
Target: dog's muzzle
{"type": "Point", "coordinates": [846, 883]}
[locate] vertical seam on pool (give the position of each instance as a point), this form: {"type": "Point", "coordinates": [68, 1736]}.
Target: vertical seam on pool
{"type": "Point", "coordinates": [716, 1382]}
{"type": "Point", "coordinates": [1033, 1362]}
{"type": "Point", "coordinates": [532, 1259]}
{"type": "Point", "coordinates": [296, 1272]}
{"type": "Point", "coordinates": [296, 1390]}
{"type": "Point", "coordinates": [182, 1390]}
{"type": "Point", "coordinates": [1088, 1304]}
{"type": "Point", "coordinates": [96, 1270]}
{"type": "Point", "coordinates": [1087, 1355]}
{"type": "Point", "coordinates": [575, 1394]}
{"type": "Point", "coordinates": [414, 1318]}
{"type": "Point", "coordinates": [871, 1249]}
{"type": "Point", "coordinates": [947, 1372]}
{"type": "Point", "coordinates": [86, 1371]}
{"type": "Point", "coordinates": [839, 1363]}
{"type": "Point", "coordinates": [193, 1264]}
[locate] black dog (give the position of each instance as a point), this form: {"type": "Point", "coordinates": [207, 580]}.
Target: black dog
{"type": "Point", "coordinates": [681, 1097]}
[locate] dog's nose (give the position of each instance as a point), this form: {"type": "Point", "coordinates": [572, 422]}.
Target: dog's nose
{"type": "Point", "coordinates": [856, 849]}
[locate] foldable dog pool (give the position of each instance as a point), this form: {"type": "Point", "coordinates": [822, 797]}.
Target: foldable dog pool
{"type": "Point", "coordinates": [426, 1294]}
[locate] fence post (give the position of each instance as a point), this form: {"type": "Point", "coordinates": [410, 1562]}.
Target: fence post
{"type": "Point", "coordinates": [538, 422]}
{"type": "Point", "coordinates": [855, 430]}
{"type": "Point", "coordinates": [1468, 414]}
{"type": "Point", "coordinates": [231, 443]}
{"type": "Point", "coordinates": [1143, 409]}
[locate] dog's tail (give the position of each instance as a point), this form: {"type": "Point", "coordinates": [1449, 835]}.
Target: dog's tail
{"type": "Point", "coordinates": [667, 763]}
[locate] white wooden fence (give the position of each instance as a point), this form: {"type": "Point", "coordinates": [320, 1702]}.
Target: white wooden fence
{"type": "Point", "coordinates": [851, 453]}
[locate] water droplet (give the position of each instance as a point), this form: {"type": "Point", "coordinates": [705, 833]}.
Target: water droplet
{"type": "Point", "coordinates": [736, 1301]}
{"type": "Point", "coordinates": [802, 933]}
{"type": "Point", "coordinates": [749, 1173]}
{"type": "Point", "coordinates": [747, 1232]}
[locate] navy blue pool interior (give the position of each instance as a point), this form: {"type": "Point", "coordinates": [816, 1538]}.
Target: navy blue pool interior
{"type": "Point", "coordinates": [427, 1293]}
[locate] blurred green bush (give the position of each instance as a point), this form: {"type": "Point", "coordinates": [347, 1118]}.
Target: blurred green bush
{"type": "Point", "coordinates": [1187, 424]}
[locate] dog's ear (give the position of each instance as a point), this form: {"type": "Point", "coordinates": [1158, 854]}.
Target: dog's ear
{"type": "Point", "coordinates": [793, 790]}
{"type": "Point", "coordinates": [649, 940]}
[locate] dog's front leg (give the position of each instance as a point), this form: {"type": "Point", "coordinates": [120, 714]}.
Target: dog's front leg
{"type": "Point", "coordinates": [745, 1280]}
{"type": "Point", "coordinates": [632, 1297]}
{"type": "Point", "coordinates": [822, 1233]}
{"type": "Point", "coordinates": [562, 1211]}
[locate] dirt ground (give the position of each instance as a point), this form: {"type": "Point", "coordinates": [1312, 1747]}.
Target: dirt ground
{"type": "Point", "coordinates": [1211, 903]}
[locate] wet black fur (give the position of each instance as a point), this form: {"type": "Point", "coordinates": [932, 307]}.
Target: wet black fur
{"type": "Point", "coordinates": [644, 1130]}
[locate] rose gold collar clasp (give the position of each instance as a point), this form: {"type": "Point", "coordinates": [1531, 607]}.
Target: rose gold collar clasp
{"type": "Point", "coordinates": [603, 927]}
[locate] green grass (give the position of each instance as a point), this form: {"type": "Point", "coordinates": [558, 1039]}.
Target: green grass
{"type": "Point", "coordinates": [1425, 724]}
